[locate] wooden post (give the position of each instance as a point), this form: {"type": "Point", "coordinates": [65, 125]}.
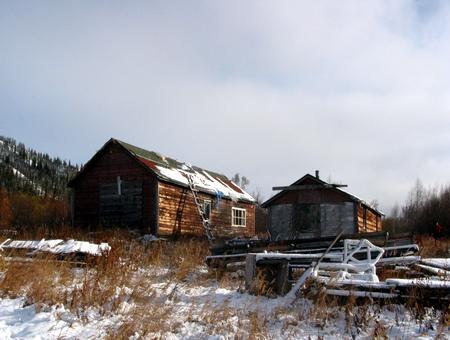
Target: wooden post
{"type": "Point", "coordinates": [282, 283]}
{"type": "Point", "coordinates": [250, 272]}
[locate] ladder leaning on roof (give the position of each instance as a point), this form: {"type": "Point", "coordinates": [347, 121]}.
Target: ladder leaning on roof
{"type": "Point", "coordinates": [205, 221]}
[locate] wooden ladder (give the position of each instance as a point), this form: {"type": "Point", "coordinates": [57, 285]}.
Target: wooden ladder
{"type": "Point", "coordinates": [205, 221]}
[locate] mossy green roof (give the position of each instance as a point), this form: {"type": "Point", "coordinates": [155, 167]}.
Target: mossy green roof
{"type": "Point", "coordinates": [171, 170]}
{"type": "Point", "coordinates": [163, 160]}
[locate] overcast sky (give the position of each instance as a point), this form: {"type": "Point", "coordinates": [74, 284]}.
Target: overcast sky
{"type": "Point", "coordinates": [271, 89]}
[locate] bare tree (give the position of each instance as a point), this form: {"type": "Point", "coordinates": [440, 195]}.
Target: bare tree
{"type": "Point", "coordinates": [243, 181]}
{"type": "Point", "coordinates": [258, 196]}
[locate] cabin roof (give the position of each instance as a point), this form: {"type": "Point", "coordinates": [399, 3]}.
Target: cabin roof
{"type": "Point", "coordinates": [173, 171]}
{"type": "Point", "coordinates": [325, 186]}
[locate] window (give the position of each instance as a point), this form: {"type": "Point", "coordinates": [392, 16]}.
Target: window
{"type": "Point", "coordinates": [207, 209]}
{"type": "Point", "coordinates": [119, 186]}
{"type": "Point", "coordinates": [238, 217]}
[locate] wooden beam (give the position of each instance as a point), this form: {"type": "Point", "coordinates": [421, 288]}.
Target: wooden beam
{"type": "Point", "coordinates": [310, 187]}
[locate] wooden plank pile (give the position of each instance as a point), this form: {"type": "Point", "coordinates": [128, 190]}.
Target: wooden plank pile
{"type": "Point", "coordinates": [236, 250]}
{"type": "Point", "coordinates": [59, 249]}
{"type": "Point", "coordinates": [350, 269]}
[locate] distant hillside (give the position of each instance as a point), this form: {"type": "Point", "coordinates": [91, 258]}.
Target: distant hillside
{"type": "Point", "coordinates": [23, 169]}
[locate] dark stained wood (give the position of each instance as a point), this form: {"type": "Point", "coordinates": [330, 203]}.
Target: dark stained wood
{"type": "Point", "coordinates": [111, 162]}
{"type": "Point", "coordinates": [313, 208]}
{"type": "Point", "coordinates": [310, 186]}
{"type": "Point", "coordinates": [145, 203]}
{"type": "Point", "coordinates": [122, 209]}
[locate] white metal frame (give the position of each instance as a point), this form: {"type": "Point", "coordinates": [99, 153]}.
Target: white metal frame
{"type": "Point", "coordinates": [233, 217]}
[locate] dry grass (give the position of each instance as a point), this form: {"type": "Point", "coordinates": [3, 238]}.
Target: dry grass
{"type": "Point", "coordinates": [429, 247]}
{"type": "Point", "coordinates": [136, 280]}
{"type": "Point", "coordinates": [48, 281]}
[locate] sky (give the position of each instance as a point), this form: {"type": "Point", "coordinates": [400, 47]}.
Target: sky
{"type": "Point", "coordinates": [359, 90]}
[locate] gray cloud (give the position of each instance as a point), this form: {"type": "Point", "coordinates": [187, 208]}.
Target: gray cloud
{"type": "Point", "coordinates": [359, 90]}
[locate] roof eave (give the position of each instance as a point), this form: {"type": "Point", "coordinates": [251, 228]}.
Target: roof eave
{"type": "Point", "coordinates": [202, 190]}
{"type": "Point", "coordinates": [71, 183]}
{"type": "Point", "coordinates": [352, 197]}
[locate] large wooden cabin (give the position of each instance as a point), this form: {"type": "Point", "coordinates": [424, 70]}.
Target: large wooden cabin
{"type": "Point", "coordinates": [126, 186]}
{"type": "Point", "coordinates": [312, 208]}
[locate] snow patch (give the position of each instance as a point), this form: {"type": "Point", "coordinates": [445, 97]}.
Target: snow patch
{"type": "Point", "coordinates": [18, 173]}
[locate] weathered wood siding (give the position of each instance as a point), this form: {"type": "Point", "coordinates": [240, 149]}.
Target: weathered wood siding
{"type": "Point", "coordinates": [303, 220]}
{"type": "Point", "coordinates": [335, 218]}
{"type": "Point", "coordinates": [311, 213]}
{"type": "Point", "coordinates": [178, 214]}
{"type": "Point", "coordinates": [124, 209]}
{"type": "Point", "coordinates": [317, 211]}
{"type": "Point", "coordinates": [368, 221]}
{"type": "Point", "coordinates": [261, 216]}
{"type": "Point", "coordinates": [94, 199]}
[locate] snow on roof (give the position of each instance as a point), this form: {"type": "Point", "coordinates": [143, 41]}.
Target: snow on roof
{"type": "Point", "coordinates": [205, 182]}
{"type": "Point", "coordinates": [175, 171]}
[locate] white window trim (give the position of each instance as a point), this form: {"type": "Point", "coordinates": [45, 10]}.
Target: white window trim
{"type": "Point", "coordinates": [233, 209]}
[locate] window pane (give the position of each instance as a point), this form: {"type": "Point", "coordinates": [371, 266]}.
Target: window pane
{"type": "Point", "coordinates": [207, 209]}
{"type": "Point", "coordinates": [238, 217]}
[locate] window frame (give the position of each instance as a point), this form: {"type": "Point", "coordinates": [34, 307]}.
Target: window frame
{"type": "Point", "coordinates": [234, 217]}
{"type": "Point", "coordinates": [207, 202]}
{"type": "Point", "coordinates": [119, 186]}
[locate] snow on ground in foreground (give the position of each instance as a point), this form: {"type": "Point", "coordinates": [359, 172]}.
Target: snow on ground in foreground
{"type": "Point", "coordinates": [22, 322]}
{"type": "Point", "coordinates": [209, 311]}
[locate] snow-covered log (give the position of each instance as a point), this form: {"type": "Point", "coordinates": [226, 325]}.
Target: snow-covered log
{"type": "Point", "coordinates": [58, 247]}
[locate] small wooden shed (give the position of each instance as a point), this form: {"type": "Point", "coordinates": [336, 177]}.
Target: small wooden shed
{"type": "Point", "coordinates": [311, 208]}
{"type": "Point", "coordinates": [125, 186]}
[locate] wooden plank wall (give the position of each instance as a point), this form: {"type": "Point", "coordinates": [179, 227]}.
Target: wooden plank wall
{"type": "Point", "coordinates": [336, 218]}
{"type": "Point", "coordinates": [178, 214]}
{"type": "Point", "coordinates": [124, 210]}
{"type": "Point", "coordinates": [103, 170]}
{"type": "Point", "coordinates": [301, 220]}
{"type": "Point", "coordinates": [368, 221]}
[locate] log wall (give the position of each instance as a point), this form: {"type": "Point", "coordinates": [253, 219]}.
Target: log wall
{"type": "Point", "coordinates": [318, 212]}
{"type": "Point", "coordinates": [178, 214]}
{"type": "Point", "coordinates": [368, 221]}
{"type": "Point", "coordinates": [99, 176]}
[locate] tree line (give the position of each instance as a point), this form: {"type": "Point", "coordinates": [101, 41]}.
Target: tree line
{"type": "Point", "coordinates": [422, 209]}
{"type": "Point", "coordinates": [33, 188]}
{"type": "Point", "coordinates": [25, 170]}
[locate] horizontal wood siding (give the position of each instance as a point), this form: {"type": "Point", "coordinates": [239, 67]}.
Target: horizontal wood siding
{"type": "Point", "coordinates": [311, 196]}
{"type": "Point", "coordinates": [102, 172]}
{"type": "Point", "coordinates": [124, 209]}
{"type": "Point", "coordinates": [315, 211]}
{"type": "Point", "coordinates": [178, 214]}
{"type": "Point", "coordinates": [296, 221]}
{"type": "Point", "coordinates": [368, 221]}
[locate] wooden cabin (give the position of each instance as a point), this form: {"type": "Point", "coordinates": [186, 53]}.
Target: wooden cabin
{"type": "Point", "coordinates": [311, 208]}
{"type": "Point", "coordinates": [126, 186]}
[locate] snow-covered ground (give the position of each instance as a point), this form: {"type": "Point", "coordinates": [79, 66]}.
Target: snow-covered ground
{"type": "Point", "coordinates": [21, 321]}
{"type": "Point", "coordinates": [203, 308]}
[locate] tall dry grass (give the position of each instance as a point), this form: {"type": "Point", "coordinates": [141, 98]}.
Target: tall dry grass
{"type": "Point", "coordinates": [429, 247]}
{"type": "Point", "coordinates": [136, 280]}
{"type": "Point", "coordinates": [100, 282]}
